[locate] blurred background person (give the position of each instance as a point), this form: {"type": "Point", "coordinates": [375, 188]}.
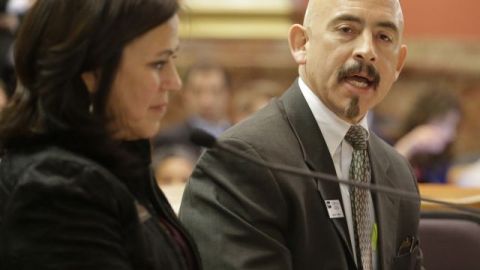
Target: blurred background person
{"type": "Point", "coordinates": [76, 187]}
{"type": "Point", "coordinates": [8, 26]}
{"type": "Point", "coordinates": [253, 96]}
{"type": "Point", "coordinates": [206, 97]}
{"type": "Point", "coordinates": [173, 165]}
{"type": "Point", "coordinates": [11, 14]}
{"type": "Point", "coordinates": [428, 133]}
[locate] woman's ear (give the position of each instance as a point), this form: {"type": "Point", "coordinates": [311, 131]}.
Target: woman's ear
{"type": "Point", "coordinates": [297, 39]}
{"type": "Point", "coordinates": [90, 80]}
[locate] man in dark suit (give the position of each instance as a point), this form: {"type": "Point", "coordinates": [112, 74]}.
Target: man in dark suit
{"type": "Point", "coordinates": [245, 216]}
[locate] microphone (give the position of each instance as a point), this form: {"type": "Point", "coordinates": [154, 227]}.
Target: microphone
{"type": "Point", "coordinates": [204, 139]}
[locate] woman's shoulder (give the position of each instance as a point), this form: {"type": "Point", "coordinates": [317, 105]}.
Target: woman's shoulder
{"type": "Point", "coordinates": [58, 201]}
{"type": "Point", "coordinates": [54, 168]}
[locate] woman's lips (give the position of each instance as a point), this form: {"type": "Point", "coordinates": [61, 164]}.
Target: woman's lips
{"type": "Point", "coordinates": [159, 107]}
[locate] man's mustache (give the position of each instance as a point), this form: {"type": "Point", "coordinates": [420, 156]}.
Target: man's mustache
{"type": "Point", "coordinates": [348, 70]}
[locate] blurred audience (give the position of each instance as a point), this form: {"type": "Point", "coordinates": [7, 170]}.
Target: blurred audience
{"type": "Point", "coordinates": [173, 165]}
{"type": "Point", "coordinates": [207, 96]}
{"type": "Point", "coordinates": [8, 26]}
{"type": "Point", "coordinates": [253, 96]}
{"type": "Point", "coordinates": [11, 14]}
{"type": "Point", "coordinates": [428, 134]}
{"type": "Point", "coordinates": [469, 175]}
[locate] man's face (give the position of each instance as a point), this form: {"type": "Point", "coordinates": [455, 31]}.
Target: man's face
{"type": "Point", "coordinates": [207, 95]}
{"type": "Point", "coordinates": [352, 53]}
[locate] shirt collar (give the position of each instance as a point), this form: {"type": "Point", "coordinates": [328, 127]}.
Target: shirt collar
{"type": "Point", "coordinates": [332, 127]}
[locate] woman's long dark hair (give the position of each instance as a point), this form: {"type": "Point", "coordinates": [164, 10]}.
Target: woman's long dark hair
{"type": "Point", "coordinates": [57, 42]}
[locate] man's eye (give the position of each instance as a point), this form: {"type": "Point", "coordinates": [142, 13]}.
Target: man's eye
{"type": "Point", "coordinates": [346, 29]}
{"type": "Point", "coordinates": [385, 38]}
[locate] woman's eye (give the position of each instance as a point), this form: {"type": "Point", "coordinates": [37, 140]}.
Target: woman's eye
{"type": "Point", "coordinates": [159, 65]}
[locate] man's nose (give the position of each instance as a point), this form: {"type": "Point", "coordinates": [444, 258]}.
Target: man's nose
{"type": "Point", "coordinates": [365, 49]}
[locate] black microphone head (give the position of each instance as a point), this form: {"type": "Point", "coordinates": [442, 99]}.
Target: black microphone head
{"type": "Point", "coordinates": [202, 138]}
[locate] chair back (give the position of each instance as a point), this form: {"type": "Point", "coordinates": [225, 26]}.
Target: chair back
{"type": "Point", "coordinates": [450, 241]}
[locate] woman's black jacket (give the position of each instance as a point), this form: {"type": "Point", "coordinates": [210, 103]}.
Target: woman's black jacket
{"type": "Point", "coordinates": [59, 210]}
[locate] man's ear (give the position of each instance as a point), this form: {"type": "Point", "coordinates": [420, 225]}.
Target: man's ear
{"type": "Point", "coordinates": [297, 40]}
{"type": "Point", "coordinates": [90, 80]}
{"type": "Point", "coordinates": [402, 55]}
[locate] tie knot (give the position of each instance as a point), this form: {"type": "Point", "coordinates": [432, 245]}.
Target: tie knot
{"type": "Point", "coordinates": [357, 137]}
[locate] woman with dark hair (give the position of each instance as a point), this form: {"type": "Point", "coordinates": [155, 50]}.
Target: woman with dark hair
{"type": "Point", "coordinates": [76, 188]}
{"type": "Point", "coordinates": [428, 134]}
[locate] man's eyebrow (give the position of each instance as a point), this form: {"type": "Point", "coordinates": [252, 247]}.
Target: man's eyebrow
{"type": "Point", "coordinates": [346, 17]}
{"type": "Point", "coordinates": [389, 25]}
{"type": "Point", "coordinates": [352, 18]}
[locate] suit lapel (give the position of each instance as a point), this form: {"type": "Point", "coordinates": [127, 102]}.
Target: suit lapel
{"type": "Point", "coordinates": [315, 151]}
{"type": "Point", "coordinates": [385, 206]}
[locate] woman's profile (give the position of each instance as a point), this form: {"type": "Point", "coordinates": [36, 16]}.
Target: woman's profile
{"type": "Point", "coordinates": [76, 188]}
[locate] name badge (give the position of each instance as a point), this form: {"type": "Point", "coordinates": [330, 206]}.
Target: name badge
{"type": "Point", "coordinates": [334, 209]}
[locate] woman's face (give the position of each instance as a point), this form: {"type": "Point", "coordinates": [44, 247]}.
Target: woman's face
{"type": "Point", "coordinates": [146, 74]}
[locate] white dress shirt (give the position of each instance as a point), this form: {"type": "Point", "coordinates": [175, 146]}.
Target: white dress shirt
{"type": "Point", "coordinates": [334, 130]}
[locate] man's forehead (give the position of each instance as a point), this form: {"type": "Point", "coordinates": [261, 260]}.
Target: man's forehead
{"type": "Point", "coordinates": [393, 3]}
{"type": "Point", "coordinates": [324, 8]}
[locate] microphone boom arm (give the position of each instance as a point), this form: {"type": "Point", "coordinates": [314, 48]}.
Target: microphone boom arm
{"type": "Point", "coordinates": [323, 176]}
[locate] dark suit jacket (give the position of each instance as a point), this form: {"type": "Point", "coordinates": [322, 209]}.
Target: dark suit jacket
{"type": "Point", "coordinates": [244, 216]}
